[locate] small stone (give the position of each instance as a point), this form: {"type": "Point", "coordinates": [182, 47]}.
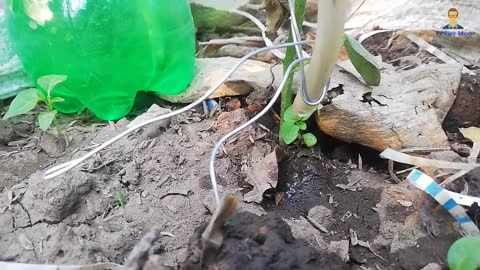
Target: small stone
{"type": "Point", "coordinates": [432, 266]}
{"type": "Point", "coordinates": [341, 248]}
{"type": "Point", "coordinates": [320, 214]}
{"type": "Point", "coordinates": [405, 203]}
{"type": "Point", "coordinates": [144, 194]}
{"type": "Point", "coordinates": [6, 132]}
{"type": "Point", "coordinates": [53, 146]}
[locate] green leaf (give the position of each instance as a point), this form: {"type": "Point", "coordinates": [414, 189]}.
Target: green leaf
{"type": "Point", "coordinates": [41, 96]}
{"type": "Point", "coordinates": [121, 199]}
{"type": "Point", "coordinates": [57, 99]}
{"type": "Point", "coordinates": [464, 254]}
{"type": "Point", "coordinates": [45, 119]}
{"type": "Point", "coordinates": [290, 115]}
{"type": "Point", "coordinates": [306, 117]}
{"type": "Point", "coordinates": [302, 125]}
{"type": "Point", "coordinates": [24, 102]}
{"type": "Point", "coordinates": [48, 82]}
{"type": "Point", "coordinates": [309, 139]}
{"type": "Point", "coordinates": [297, 68]}
{"type": "Point", "coordinates": [289, 131]}
{"type": "Point", "coordinates": [362, 60]}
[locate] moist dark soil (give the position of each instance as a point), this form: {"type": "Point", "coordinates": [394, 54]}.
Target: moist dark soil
{"type": "Point", "coordinates": [258, 242]}
{"type": "Point", "coordinates": [308, 182]}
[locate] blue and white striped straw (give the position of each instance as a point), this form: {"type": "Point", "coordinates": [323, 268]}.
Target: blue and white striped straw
{"type": "Point", "coordinates": [442, 196]}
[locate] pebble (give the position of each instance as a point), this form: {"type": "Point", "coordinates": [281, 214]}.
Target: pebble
{"type": "Point", "coordinates": [405, 203]}
{"type": "Point", "coordinates": [6, 132]}
{"type": "Point", "coordinates": [432, 266]}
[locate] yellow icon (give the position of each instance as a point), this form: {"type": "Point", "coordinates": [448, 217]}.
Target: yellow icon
{"type": "Point", "coordinates": [453, 17]}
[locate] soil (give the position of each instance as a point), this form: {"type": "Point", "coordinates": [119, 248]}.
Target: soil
{"type": "Point", "coordinates": [259, 242]}
{"type": "Point", "coordinates": [325, 210]}
{"type": "Point", "coordinates": [465, 111]}
{"type": "Point", "coordinates": [76, 218]}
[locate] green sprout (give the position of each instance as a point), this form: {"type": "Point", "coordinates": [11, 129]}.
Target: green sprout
{"type": "Point", "coordinates": [364, 63]}
{"type": "Point", "coordinates": [293, 125]}
{"type": "Point", "coordinates": [121, 199]}
{"type": "Point", "coordinates": [26, 101]}
{"type": "Point", "coordinates": [287, 93]}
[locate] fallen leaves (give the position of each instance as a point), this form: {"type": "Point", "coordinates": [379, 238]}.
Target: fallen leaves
{"type": "Point", "coordinates": [277, 14]}
{"type": "Point", "coordinates": [263, 175]}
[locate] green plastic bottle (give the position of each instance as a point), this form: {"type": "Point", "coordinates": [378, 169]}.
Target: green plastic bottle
{"type": "Point", "coordinates": [108, 49]}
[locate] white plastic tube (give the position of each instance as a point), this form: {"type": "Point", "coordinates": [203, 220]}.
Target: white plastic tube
{"type": "Point", "coordinates": [331, 18]}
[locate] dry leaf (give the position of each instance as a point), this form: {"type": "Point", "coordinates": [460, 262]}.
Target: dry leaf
{"type": "Point", "coordinates": [342, 55]}
{"type": "Point", "coordinates": [263, 175]}
{"type": "Point", "coordinates": [254, 107]}
{"type": "Point", "coordinates": [405, 203]}
{"type": "Point", "coordinates": [277, 14]}
{"type": "Point", "coordinates": [471, 133]}
{"type": "Point", "coordinates": [212, 237]}
{"type": "Point", "coordinates": [233, 104]}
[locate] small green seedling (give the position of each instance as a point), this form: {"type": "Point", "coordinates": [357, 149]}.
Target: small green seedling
{"type": "Point", "coordinates": [464, 254]}
{"type": "Point", "coordinates": [26, 101]}
{"type": "Point", "coordinates": [309, 139]}
{"type": "Point", "coordinates": [364, 63]}
{"type": "Point", "coordinates": [121, 199]}
{"type": "Point", "coordinates": [291, 128]}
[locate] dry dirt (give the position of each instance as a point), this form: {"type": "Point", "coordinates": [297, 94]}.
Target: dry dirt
{"type": "Point", "coordinates": [76, 218]}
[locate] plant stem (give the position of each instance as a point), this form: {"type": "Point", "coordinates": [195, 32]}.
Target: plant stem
{"type": "Point", "coordinates": [58, 131]}
{"type": "Point", "coordinates": [57, 127]}
{"type": "Point", "coordinates": [287, 95]}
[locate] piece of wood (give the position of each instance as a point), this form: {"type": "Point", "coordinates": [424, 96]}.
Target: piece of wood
{"type": "Point", "coordinates": [12, 76]}
{"type": "Point", "coordinates": [209, 71]}
{"type": "Point", "coordinates": [413, 106]}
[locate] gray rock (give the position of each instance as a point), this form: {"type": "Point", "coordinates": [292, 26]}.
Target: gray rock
{"type": "Point", "coordinates": [55, 199]}
{"type": "Point", "coordinates": [340, 248]}
{"type": "Point", "coordinates": [53, 146]}
{"type": "Point", "coordinates": [6, 132]}
{"type": "Point", "coordinates": [320, 214]}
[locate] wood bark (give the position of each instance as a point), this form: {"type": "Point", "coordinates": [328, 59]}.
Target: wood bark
{"type": "Point", "coordinates": [412, 107]}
